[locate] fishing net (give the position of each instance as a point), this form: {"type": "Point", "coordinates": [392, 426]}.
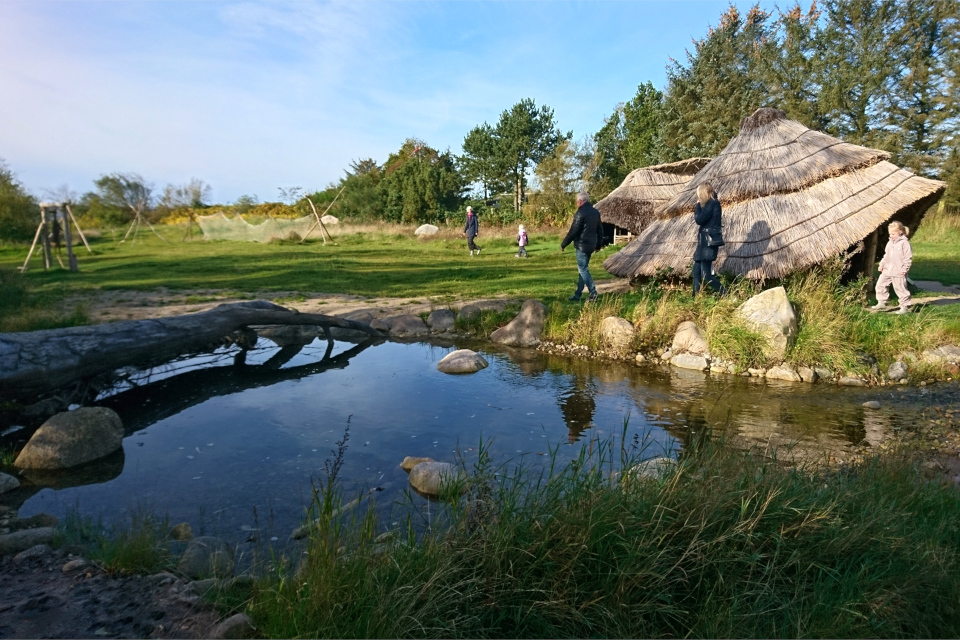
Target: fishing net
{"type": "Point", "coordinates": [220, 227]}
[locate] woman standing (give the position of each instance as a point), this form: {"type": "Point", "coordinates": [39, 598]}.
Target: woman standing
{"type": "Point", "coordinates": [707, 215]}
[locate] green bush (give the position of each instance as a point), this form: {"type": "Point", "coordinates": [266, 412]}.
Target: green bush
{"type": "Point", "coordinates": [19, 214]}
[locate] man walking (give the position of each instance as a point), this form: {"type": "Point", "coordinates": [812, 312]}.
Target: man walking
{"type": "Point", "coordinates": [586, 234]}
{"type": "Point", "coordinates": [472, 230]}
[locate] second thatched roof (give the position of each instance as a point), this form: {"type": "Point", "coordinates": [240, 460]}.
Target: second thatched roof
{"type": "Point", "coordinates": [791, 198]}
{"type": "Point", "coordinates": [632, 205]}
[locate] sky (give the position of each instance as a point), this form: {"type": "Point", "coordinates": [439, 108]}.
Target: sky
{"type": "Point", "coordinates": [251, 97]}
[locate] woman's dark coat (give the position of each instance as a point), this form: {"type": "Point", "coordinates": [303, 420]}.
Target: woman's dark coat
{"type": "Point", "coordinates": [707, 217]}
{"type": "Point", "coordinates": [472, 227]}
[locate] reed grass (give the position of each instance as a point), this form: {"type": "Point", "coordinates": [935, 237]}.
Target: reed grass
{"type": "Point", "coordinates": [724, 546]}
{"type": "Point", "coordinates": [140, 545]}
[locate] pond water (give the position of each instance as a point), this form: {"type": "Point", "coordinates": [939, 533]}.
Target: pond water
{"type": "Point", "coordinates": [234, 441]}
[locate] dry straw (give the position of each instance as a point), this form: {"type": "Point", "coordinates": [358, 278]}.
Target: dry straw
{"type": "Point", "coordinates": [633, 204]}
{"type": "Point", "coordinates": [791, 198]}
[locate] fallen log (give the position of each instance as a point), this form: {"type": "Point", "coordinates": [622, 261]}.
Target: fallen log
{"type": "Point", "coordinates": [37, 361]}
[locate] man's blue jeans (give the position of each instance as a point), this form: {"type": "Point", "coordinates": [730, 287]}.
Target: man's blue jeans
{"type": "Point", "coordinates": [583, 261]}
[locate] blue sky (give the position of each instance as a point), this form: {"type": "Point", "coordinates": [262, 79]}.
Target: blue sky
{"type": "Point", "coordinates": [252, 96]}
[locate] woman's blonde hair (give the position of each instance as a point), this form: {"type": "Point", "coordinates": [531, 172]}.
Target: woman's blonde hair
{"type": "Point", "coordinates": [899, 226]}
{"type": "Point", "coordinates": [705, 192]}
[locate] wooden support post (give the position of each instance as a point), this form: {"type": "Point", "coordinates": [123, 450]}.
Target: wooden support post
{"type": "Point", "coordinates": [323, 229]}
{"type": "Point", "coordinates": [79, 230]}
{"type": "Point", "coordinates": [71, 259]}
{"type": "Point", "coordinates": [32, 246]}
{"type": "Point", "coordinates": [870, 255]}
{"type": "Point", "coordinates": [45, 242]}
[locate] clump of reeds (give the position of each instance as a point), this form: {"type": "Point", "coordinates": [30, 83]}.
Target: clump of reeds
{"type": "Point", "coordinates": [140, 546]}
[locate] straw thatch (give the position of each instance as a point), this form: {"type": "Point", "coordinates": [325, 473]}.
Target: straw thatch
{"type": "Point", "coordinates": [791, 198]}
{"type": "Point", "coordinates": [632, 205]}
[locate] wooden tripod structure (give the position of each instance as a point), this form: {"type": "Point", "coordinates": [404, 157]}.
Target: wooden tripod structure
{"type": "Point", "coordinates": [323, 230]}
{"type": "Point", "coordinates": [135, 227]}
{"type": "Point", "coordinates": [49, 212]}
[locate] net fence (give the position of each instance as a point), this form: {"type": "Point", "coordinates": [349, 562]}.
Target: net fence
{"type": "Point", "coordinates": [220, 227]}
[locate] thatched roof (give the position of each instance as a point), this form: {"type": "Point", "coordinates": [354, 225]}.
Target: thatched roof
{"type": "Point", "coordinates": [791, 198]}
{"type": "Point", "coordinates": [632, 205]}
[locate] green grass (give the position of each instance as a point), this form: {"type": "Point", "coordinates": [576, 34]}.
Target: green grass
{"type": "Point", "coordinates": [936, 248]}
{"type": "Point", "coordinates": [138, 546]}
{"type": "Point", "coordinates": [726, 546]}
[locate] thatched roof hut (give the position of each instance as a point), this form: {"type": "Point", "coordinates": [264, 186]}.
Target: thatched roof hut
{"type": "Point", "coordinates": [632, 205]}
{"type": "Point", "coordinates": [791, 198]}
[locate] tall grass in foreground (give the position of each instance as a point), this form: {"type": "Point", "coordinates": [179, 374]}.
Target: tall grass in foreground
{"type": "Point", "coordinates": [140, 546]}
{"type": "Point", "coordinates": [724, 546]}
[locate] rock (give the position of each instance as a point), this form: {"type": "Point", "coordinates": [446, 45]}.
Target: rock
{"type": "Point", "coordinates": [851, 381]}
{"type": "Point", "coordinates": [8, 482]}
{"type": "Point", "coordinates": [525, 329]}
{"type": "Point", "coordinates": [807, 374]}
{"type": "Point", "coordinates": [72, 438]}
{"type": "Point", "coordinates": [182, 532]}
{"type": "Point", "coordinates": [37, 551]}
{"type": "Point", "coordinates": [329, 219]}
{"type": "Point", "coordinates": [640, 358]}
{"type": "Point", "coordinates": [407, 326]}
{"type": "Point", "coordinates": [897, 370]}
{"type": "Point", "coordinates": [823, 373]}
{"type": "Point", "coordinates": [206, 556]}
{"type": "Point", "coordinates": [771, 314]}
{"type": "Point", "coordinates": [427, 230]}
{"type": "Point", "coordinates": [871, 404]}
{"type": "Point", "coordinates": [689, 339]}
{"type": "Point", "coordinates": [654, 469]}
{"type": "Point", "coordinates": [381, 324]}
{"type": "Point", "coordinates": [617, 332]}
{"type": "Point", "coordinates": [690, 361]}
{"type": "Point", "coordinates": [666, 355]}
{"type": "Point", "coordinates": [236, 626]}
{"type": "Point", "coordinates": [945, 353]}
{"type": "Point", "coordinates": [21, 540]}
{"type": "Point", "coordinates": [462, 361]}
{"type": "Point", "coordinates": [35, 521]}
{"type": "Point", "coordinates": [201, 587]}
{"type": "Point", "coordinates": [430, 477]}
{"type": "Point", "coordinates": [410, 462]}
{"type": "Point", "coordinates": [783, 372]}
{"type": "Point", "coordinates": [75, 565]}
{"type": "Point", "coordinates": [43, 409]}
{"type": "Point", "coordinates": [468, 312]}
{"type": "Point", "coordinates": [757, 372]}
{"type": "Point", "coordinates": [441, 320]}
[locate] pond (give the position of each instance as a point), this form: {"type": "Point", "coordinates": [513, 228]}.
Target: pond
{"type": "Point", "coordinates": [234, 441]}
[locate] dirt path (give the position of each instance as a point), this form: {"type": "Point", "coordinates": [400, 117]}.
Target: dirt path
{"type": "Point", "coordinates": [108, 306]}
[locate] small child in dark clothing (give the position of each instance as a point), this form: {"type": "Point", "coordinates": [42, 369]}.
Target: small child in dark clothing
{"type": "Point", "coordinates": [522, 241]}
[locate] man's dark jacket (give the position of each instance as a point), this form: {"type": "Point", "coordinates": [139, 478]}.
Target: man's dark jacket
{"type": "Point", "coordinates": [586, 231]}
{"type": "Point", "coordinates": [706, 217]}
{"type": "Point", "coordinates": [472, 228]}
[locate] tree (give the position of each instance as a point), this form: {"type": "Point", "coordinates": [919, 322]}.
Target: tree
{"type": "Point", "coordinates": [195, 194]}
{"type": "Point", "coordinates": [420, 184]}
{"type": "Point", "coordinates": [858, 49]}
{"type": "Point", "coordinates": [922, 111]}
{"type": "Point", "coordinates": [525, 135]}
{"type": "Point", "coordinates": [482, 161]}
{"type": "Point", "coordinates": [632, 137]}
{"type": "Point", "coordinates": [19, 215]}
{"type": "Point", "coordinates": [557, 178]}
{"type": "Point", "coordinates": [126, 196]}
{"type": "Point", "coordinates": [360, 199]}
{"type": "Point", "coordinates": [721, 83]}
{"type": "Point", "coordinates": [245, 203]}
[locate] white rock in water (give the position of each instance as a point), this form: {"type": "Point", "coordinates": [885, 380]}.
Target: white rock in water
{"type": "Point", "coordinates": [690, 361]}
{"type": "Point", "coordinates": [783, 373]}
{"type": "Point", "coordinates": [430, 477]}
{"type": "Point", "coordinates": [426, 230]}
{"type": "Point", "coordinates": [462, 361]}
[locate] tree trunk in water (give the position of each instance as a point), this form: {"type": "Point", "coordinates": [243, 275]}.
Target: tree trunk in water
{"type": "Point", "coordinates": [38, 361]}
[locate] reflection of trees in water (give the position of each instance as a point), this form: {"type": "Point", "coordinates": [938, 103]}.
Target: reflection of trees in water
{"type": "Point", "coordinates": [577, 407]}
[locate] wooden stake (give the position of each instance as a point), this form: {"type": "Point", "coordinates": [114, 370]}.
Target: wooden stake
{"type": "Point", "coordinates": [34, 244]}
{"type": "Point", "coordinates": [318, 216]}
{"type": "Point", "coordinates": [79, 230]}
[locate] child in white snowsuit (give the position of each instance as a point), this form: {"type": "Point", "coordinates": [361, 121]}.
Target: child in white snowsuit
{"type": "Point", "coordinates": [897, 258]}
{"type": "Point", "coordinates": [522, 241]}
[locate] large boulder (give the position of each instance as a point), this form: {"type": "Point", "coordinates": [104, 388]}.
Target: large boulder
{"type": "Point", "coordinates": [22, 540]}
{"type": "Point", "coordinates": [462, 361]}
{"type": "Point", "coordinates": [441, 320]}
{"type": "Point", "coordinates": [73, 438]}
{"type": "Point", "coordinates": [897, 370]}
{"type": "Point", "coordinates": [689, 339]}
{"type": "Point", "coordinates": [617, 332]}
{"type": "Point", "coordinates": [525, 329]}
{"type": "Point", "coordinates": [468, 312]}
{"type": "Point", "coordinates": [783, 372]}
{"type": "Point", "coordinates": [430, 478]}
{"type": "Point", "coordinates": [8, 483]}
{"type": "Point", "coordinates": [206, 556]}
{"type": "Point", "coordinates": [411, 461]}
{"type": "Point", "coordinates": [328, 219]}
{"type": "Point", "coordinates": [408, 326]}
{"type": "Point", "coordinates": [427, 230]}
{"type": "Point", "coordinates": [771, 315]}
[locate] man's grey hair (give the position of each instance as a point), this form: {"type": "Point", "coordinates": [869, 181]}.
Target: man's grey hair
{"type": "Point", "coordinates": [583, 197]}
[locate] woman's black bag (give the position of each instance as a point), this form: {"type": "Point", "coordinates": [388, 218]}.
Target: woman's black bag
{"type": "Point", "coordinates": [715, 237]}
